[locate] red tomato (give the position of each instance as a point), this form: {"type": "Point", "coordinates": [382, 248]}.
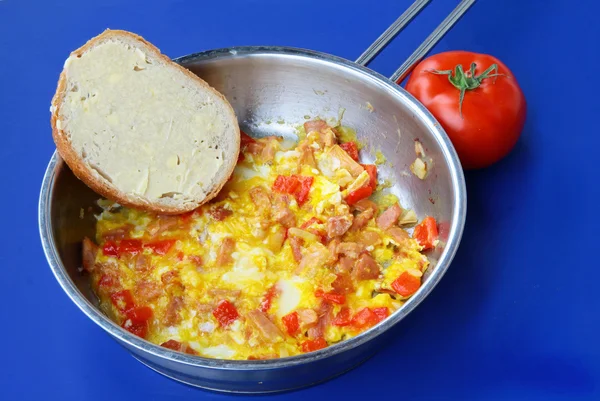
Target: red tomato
{"type": "Point", "coordinates": [313, 345]}
{"type": "Point", "coordinates": [426, 233]}
{"type": "Point", "coordinates": [108, 281]}
{"type": "Point", "coordinates": [122, 300]}
{"type": "Point", "coordinates": [286, 184]}
{"type": "Point", "coordinates": [245, 139]}
{"type": "Point", "coordinates": [302, 193]}
{"type": "Point", "coordinates": [331, 297]}
{"type": "Point", "coordinates": [372, 170]}
{"type": "Point", "coordinates": [139, 329]}
{"type": "Point", "coordinates": [140, 314]}
{"type": "Point", "coordinates": [351, 148]}
{"type": "Point", "coordinates": [365, 318]}
{"type": "Point", "coordinates": [381, 313]}
{"type": "Point", "coordinates": [342, 318]}
{"type": "Point", "coordinates": [406, 284]}
{"type": "Point", "coordinates": [130, 246]}
{"type": "Point", "coordinates": [225, 313]}
{"type": "Point", "coordinates": [161, 247]}
{"type": "Point", "coordinates": [180, 256]}
{"type": "Point", "coordinates": [291, 323]}
{"type": "Point", "coordinates": [110, 249]}
{"type": "Point", "coordinates": [265, 304]}
{"type": "Point", "coordinates": [359, 194]}
{"type": "Point", "coordinates": [482, 109]}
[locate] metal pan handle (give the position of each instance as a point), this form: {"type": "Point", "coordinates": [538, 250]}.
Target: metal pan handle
{"type": "Point", "coordinates": [382, 41]}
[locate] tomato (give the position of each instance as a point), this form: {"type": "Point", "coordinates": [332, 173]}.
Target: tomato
{"type": "Point", "coordinates": [225, 313]}
{"type": "Point", "coordinates": [359, 194]}
{"type": "Point", "coordinates": [139, 329]}
{"type": "Point", "coordinates": [482, 109]}
{"type": "Point", "coordinates": [180, 256]}
{"type": "Point", "coordinates": [245, 139]}
{"type": "Point", "coordinates": [122, 300]}
{"type": "Point", "coordinates": [372, 170]}
{"type": "Point", "coordinates": [140, 314]}
{"type": "Point", "coordinates": [381, 313]}
{"type": "Point", "coordinates": [426, 233]}
{"type": "Point", "coordinates": [291, 323]}
{"type": "Point", "coordinates": [365, 318]}
{"type": "Point", "coordinates": [108, 281]}
{"type": "Point", "coordinates": [313, 345]}
{"type": "Point", "coordinates": [342, 318]}
{"type": "Point", "coordinates": [331, 297]}
{"type": "Point", "coordinates": [286, 184]}
{"type": "Point", "coordinates": [351, 148]}
{"type": "Point", "coordinates": [110, 249]}
{"type": "Point", "coordinates": [406, 284]}
{"type": "Point", "coordinates": [130, 246]}
{"type": "Point", "coordinates": [172, 344]}
{"type": "Point", "coordinates": [296, 185]}
{"type": "Point", "coordinates": [161, 247]}
{"type": "Point", "coordinates": [265, 304]}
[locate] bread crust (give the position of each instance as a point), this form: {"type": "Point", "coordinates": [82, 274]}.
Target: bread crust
{"type": "Point", "coordinates": [85, 174]}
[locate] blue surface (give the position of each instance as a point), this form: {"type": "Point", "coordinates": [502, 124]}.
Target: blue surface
{"type": "Point", "coordinates": [516, 317]}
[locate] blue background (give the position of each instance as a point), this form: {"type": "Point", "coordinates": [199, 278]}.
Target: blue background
{"type": "Point", "coordinates": [515, 318]}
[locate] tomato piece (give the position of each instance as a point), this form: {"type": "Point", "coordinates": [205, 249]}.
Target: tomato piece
{"type": "Point", "coordinates": [313, 345]}
{"type": "Point", "coordinates": [225, 313]}
{"type": "Point", "coordinates": [265, 304]}
{"type": "Point", "coordinates": [130, 246]}
{"type": "Point", "coordinates": [161, 247]}
{"type": "Point", "coordinates": [426, 233]}
{"type": "Point", "coordinates": [245, 139]}
{"type": "Point", "coordinates": [372, 170]}
{"type": "Point", "coordinates": [359, 194]}
{"type": "Point", "coordinates": [286, 184]}
{"type": "Point", "coordinates": [342, 318]}
{"type": "Point", "coordinates": [365, 318]}
{"type": "Point", "coordinates": [302, 193]}
{"type": "Point", "coordinates": [382, 313]}
{"type": "Point", "coordinates": [291, 323]}
{"type": "Point", "coordinates": [110, 249]}
{"type": "Point", "coordinates": [406, 284]}
{"type": "Point", "coordinates": [180, 256]}
{"type": "Point", "coordinates": [331, 297]}
{"type": "Point", "coordinates": [140, 314]}
{"type": "Point", "coordinates": [108, 281]}
{"type": "Point", "coordinates": [485, 122]}
{"type": "Point", "coordinates": [122, 300]}
{"type": "Point", "coordinates": [351, 148]}
{"type": "Point", "coordinates": [139, 329]}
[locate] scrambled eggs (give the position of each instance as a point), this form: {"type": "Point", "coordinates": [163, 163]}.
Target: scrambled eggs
{"type": "Point", "coordinates": [291, 257]}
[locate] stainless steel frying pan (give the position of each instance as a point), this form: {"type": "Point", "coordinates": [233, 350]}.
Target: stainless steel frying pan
{"type": "Point", "coordinates": [273, 90]}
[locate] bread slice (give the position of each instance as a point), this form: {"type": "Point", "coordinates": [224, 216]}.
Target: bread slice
{"type": "Point", "coordinates": [141, 130]}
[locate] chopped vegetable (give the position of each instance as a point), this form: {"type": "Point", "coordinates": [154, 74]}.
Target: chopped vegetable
{"type": "Point", "coordinates": [426, 233]}
{"type": "Point", "coordinates": [225, 313]}
{"type": "Point", "coordinates": [406, 284]}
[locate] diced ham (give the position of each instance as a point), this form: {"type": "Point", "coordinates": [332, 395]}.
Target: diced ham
{"type": "Point", "coordinates": [220, 213]}
{"type": "Point", "coordinates": [225, 250]}
{"type": "Point", "coordinates": [147, 291]}
{"type": "Point", "coordinates": [343, 284]}
{"type": "Point", "coordinates": [277, 238]}
{"type": "Point", "coordinates": [338, 225]}
{"type": "Point", "coordinates": [362, 219]}
{"type": "Point", "coordinates": [162, 224]}
{"type": "Point", "coordinates": [388, 218]}
{"type": "Point", "coordinates": [261, 199]}
{"type": "Point", "coordinates": [332, 246]}
{"type": "Point", "coordinates": [142, 262]}
{"type": "Point", "coordinates": [119, 233]}
{"type": "Point", "coordinates": [265, 326]}
{"type": "Point", "coordinates": [196, 260]}
{"type": "Point", "coordinates": [346, 162]}
{"type": "Point", "coordinates": [317, 255]}
{"type": "Point", "coordinates": [369, 238]}
{"type": "Point", "coordinates": [220, 293]}
{"type": "Point", "coordinates": [171, 316]}
{"type": "Point", "coordinates": [296, 244]}
{"type": "Point", "coordinates": [307, 317]}
{"type": "Point", "coordinates": [173, 284]}
{"type": "Point", "coordinates": [398, 234]}
{"type": "Point", "coordinates": [89, 252]}
{"type": "Point", "coordinates": [315, 126]}
{"type": "Point", "coordinates": [324, 315]}
{"type": "Point", "coordinates": [351, 249]}
{"type": "Point", "coordinates": [177, 346]}
{"type": "Point", "coordinates": [282, 213]}
{"type": "Point", "coordinates": [307, 157]}
{"type": "Point", "coordinates": [365, 204]}
{"type": "Point", "coordinates": [169, 277]}
{"type": "Point", "coordinates": [345, 264]}
{"type": "Point", "coordinates": [328, 137]}
{"type": "Point", "coordinates": [254, 148]}
{"type": "Point", "coordinates": [366, 268]}
{"type": "Point", "coordinates": [270, 148]}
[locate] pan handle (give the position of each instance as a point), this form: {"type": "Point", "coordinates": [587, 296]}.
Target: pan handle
{"type": "Point", "coordinates": [382, 41]}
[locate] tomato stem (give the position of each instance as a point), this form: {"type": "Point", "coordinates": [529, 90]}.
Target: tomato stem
{"type": "Point", "coordinates": [465, 81]}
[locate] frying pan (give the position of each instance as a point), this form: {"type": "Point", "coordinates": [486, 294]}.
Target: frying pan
{"type": "Point", "coordinates": [273, 90]}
